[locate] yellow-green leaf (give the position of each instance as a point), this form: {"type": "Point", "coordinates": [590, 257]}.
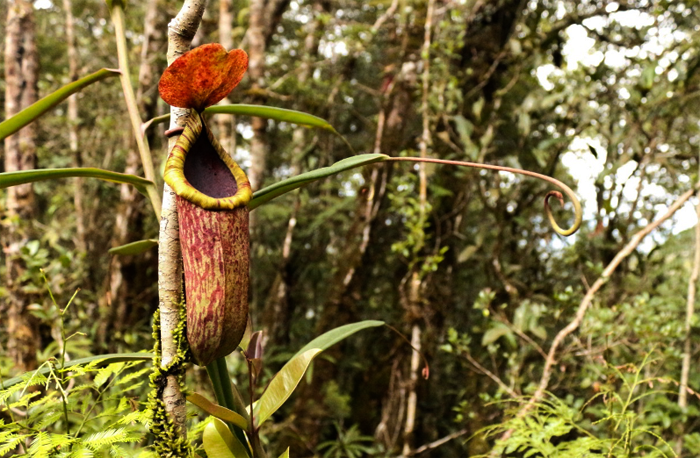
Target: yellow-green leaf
{"type": "Point", "coordinates": [286, 380]}
{"type": "Point", "coordinates": [283, 384]}
{"type": "Point", "coordinates": [220, 443]}
{"type": "Point", "coordinates": [285, 454]}
{"type": "Point", "coordinates": [220, 412]}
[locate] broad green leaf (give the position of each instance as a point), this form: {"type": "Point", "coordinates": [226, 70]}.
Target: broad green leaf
{"type": "Point", "coordinates": [283, 384]}
{"type": "Point", "coordinates": [278, 114]}
{"type": "Point", "coordinates": [8, 179]}
{"type": "Point", "coordinates": [33, 111]}
{"type": "Point", "coordinates": [332, 337]}
{"type": "Point", "coordinates": [285, 454]}
{"type": "Point", "coordinates": [286, 380]}
{"type": "Point", "coordinates": [220, 443]}
{"type": "Point", "coordinates": [290, 184]}
{"type": "Point", "coordinates": [132, 248]}
{"type": "Point", "coordinates": [104, 360]}
{"type": "Point", "coordinates": [222, 413]}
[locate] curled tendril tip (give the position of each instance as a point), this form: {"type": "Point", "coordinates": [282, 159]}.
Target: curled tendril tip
{"type": "Point", "coordinates": [578, 212]}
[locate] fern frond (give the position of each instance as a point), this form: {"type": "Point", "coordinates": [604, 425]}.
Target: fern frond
{"type": "Point", "coordinates": [10, 443]}
{"type": "Point", "coordinates": [106, 372]}
{"type": "Point", "coordinates": [110, 436]}
{"type": "Point", "coordinates": [129, 377]}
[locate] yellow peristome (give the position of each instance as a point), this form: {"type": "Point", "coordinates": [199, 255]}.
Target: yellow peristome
{"type": "Point", "coordinates": [174, 173]}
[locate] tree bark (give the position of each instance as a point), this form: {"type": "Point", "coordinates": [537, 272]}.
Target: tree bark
{"type": "Point", "coordinates": [225, 123]}
{"type": "Point", "coordinates": [21, 74]}
{"type": "Point", "coordinates": [181, 31]}
{"type": "Point", "coordinates": [127, 216]}
{"type": "Point", "coordinates": [416, 284]}
{"type": "Point", "coordinates": [278, 311]}
{"type": "Point", "coordinates": [73, 127]}
{"type": "Point", "coordinates": [256, 70]}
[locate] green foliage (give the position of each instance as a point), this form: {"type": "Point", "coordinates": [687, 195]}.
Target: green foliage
{"type": "Point", "coordinates": [625, 418]}
{"type": "Point", "coordinates": [349, 444]}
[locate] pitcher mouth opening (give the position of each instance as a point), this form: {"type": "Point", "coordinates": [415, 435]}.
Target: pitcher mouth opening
{"type": "Point", "coordinates": [207, 172]}
{"type": "Point", "coordinates": [201, 171]}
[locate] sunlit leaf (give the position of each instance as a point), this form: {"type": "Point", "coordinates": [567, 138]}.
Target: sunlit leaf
{"type": "Point", "coordinates": [203, 76]}
{"type": "Point", "coordinates": [138, 247]}
{"type": "Point", "coordinates": [286, 380]}
{"type": "Point", "coordinates": [285, 454]}
{"type": "Point", "coordinates": [33, 111]}
{"type": "Point", "coordinates": [290, 184]}
{"type": "Point", "coordinates": [104, 360]}
{"type": "Point", "coordinates": [220, 443]}
{"type": "Point", "coordinates": [8, 179]}
{"type": "Point", "coordinates": [222, 413]}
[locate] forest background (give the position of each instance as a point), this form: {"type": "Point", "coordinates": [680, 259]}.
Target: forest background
{"type": "Point", "coordinates": [597, 330]}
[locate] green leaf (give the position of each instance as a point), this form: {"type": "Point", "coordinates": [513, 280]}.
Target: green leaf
{"type": "Point", "coordinates": [8, 179]}
{"type": "Point", "coordinates": [499, 330]}
{"type": "Point", "coordinates": [222, 413]}
{"type": "Point", "coordinates": [278, 114]}
{"type": "Point", "coordinates": [33, 111]}
{"type": "Point", "coordinates": [132, 248]}
{"type": "Point", "coordinates": [290, 184]}
{"type": "Point", "coordinates": [104, 360]}
{"type": "Point", "coordinates": [286, 380]}
{"type": "Point", "coordinates": [284, 384]}
{"type": "Point", "coordinates": [220, 443]}
{"type": "Point", "coordinates": [285, 454]}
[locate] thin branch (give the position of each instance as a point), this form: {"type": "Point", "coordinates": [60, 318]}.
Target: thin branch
{"type": "Point", "coordinates": [439, 442]}
{"type": "Point", "coordinates": [690, 311]}
{"type": "Point", "coordinates": [491, 375]}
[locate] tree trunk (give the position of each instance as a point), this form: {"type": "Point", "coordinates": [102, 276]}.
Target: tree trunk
{"type": "Point", "coordinates": [73, 125]}
{"type": "Point", "coordinates": [21, 74]}
{"type": "Point", "coordinates": [152, 64]}
{"type": "Point", "coordinates": [277, 313]}
{"type": "Point", "coordinates": [225, 123]}
{"type": "Point", "coordinates": [256, 70]}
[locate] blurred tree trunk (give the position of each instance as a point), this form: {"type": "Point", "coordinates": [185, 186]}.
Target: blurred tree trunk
{"type": "Point", "coordinates": [278, 311]}
{"type": "Point", "coordinates": [226, 123]}
{"type": "Point", "coordinates": [265, 15]}
{"type": "Point", "coordinates": [73, 127]}
{"type": "Point", "coordinates": [21, 74]}
{"type": "Point", "coordinates": [152, 64]}
{"type": "Point", "coordinates": [256, 70]}
{"type": "Point", "coordinates": [338, 309]}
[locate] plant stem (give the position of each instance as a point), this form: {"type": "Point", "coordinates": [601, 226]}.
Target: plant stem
{"type": "Point", "coordinates": [227, 395]}
{"type": "Point", "coordinates": [141, 142]}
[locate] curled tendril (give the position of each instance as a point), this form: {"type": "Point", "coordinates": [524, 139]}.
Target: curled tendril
{"type": "Point", "coordinates": [578, 212]}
